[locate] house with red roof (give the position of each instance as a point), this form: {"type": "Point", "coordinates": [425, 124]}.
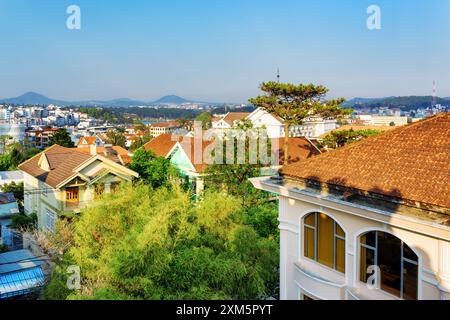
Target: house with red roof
{"type": "Point", "coordinates": [190, 156]}
{"type": "Point", "coordinates": [64, 180]}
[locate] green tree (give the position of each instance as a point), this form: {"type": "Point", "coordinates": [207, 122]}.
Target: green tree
{"type": "Point", "coordinates": [233, 176]}
{"type": "Point", "coordinates": [6, 162]}
{"type": "Point", "coordinates": [156, 171]}
{"type": "Point", "coordinates": [62, 138]}
{"type": "Point", "coordinates": [139, 140]}
{"type": "Point", "coordinates": [186, 123]}
{"type": "Point", "coordinates": [17, 189]}
{"type": "Point", "coordinates": [337, 139]}
{"type": "Point", "coordinates": [296, 103]}
{"type": "Point", "coordinates": [116, 138]}
{"type": "Point", "coordinates": [145, 243]}
{"type": "Point", "coordinates": [264, 219]}
{"type": "Point", "coordinates": [206, 119]}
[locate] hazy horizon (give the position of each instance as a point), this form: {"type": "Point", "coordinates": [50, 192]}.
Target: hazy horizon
{"type": "Point", "coordinates": [220, 51]}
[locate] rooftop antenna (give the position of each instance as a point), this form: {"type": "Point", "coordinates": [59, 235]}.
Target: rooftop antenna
{"type": "Point", "coordinates": [434, 94]}
{"type": "Point", "coordinates": [278, 75]}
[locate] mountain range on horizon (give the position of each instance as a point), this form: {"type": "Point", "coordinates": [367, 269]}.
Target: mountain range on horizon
{"type": "Point", "coordinates": [33, 98]}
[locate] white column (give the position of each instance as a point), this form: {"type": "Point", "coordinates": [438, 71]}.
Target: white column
{"type": "Point", "coordinates": [283, 262]}
{"type": "Point", "coordinates": [444, 269]}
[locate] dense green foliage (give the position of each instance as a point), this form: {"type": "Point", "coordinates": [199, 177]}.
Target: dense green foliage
{"type": "Point", "coordinates": [105, 115]}
{"type": "Point", "coordinates": [166, 113]}
{"type": "Point", "coordinates": [338, 139]}
{"type": "Point", "coordinates": [144, 243]}
{"type": "Point", "coordinates": [155, 171]}
{"type": "Point", "coordinates": [14, 155]}
{"type": "Point", "coordinates": [116, 138]}
{"type": "Point", "coordinates": [23, 221]}
{"type": "Point", "coordinates": [206, 119]}
{"type": "Point", "coordinates": [62, 138]}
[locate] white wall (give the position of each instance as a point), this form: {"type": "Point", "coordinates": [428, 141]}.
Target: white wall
{"type": "Point", "coordinates": [300, 275]}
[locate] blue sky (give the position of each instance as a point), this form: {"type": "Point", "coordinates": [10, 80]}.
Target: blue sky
{"type": "Point", "coordinates": [220, 50]}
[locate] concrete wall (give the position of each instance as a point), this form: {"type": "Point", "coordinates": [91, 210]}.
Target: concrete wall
{"type": "Point", "coordinates": [299, 275]}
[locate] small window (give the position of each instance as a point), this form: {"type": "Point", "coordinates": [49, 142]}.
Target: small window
{"type": "Point", "coordinates": [49, 221]}
{"type": "Point", "coordinates": [324, 241]}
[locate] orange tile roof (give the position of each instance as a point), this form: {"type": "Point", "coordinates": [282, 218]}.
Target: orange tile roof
{"type": "Point", "coordinates": [118, 154]}
{"type": "Point", "coordinates": [231, 117]}
{"type": "Point", "coordinates": [299, 149]}
{"type": "Point", "coordinates": [89, 140]}
{"type": "Point", "coordinates": [62, 161]}
{"type": "Point", "coordinates": [161, 145]}
{"type": "Point", "coordinates": [411, 163]}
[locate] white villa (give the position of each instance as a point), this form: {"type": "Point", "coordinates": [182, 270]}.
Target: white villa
{"type": "Point", "coordinates": [64, 180]}
{"type": "Point", "coordinates": [370, 220]}
{"type": "Point", "coordinates": [312, 129]}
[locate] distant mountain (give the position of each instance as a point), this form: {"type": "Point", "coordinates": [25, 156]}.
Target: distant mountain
{"type": "Point", "coordinates": [403, 103]}
{"type": "Point", "coordinates": [171, 99]}
{"type": "Point", "coordinates": [33, 98]}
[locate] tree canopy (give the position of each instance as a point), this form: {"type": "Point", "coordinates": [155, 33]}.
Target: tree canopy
{"type": "Point", "coordinates": [144, 243]}
{"type": "Point", "coordinates": [62, 138]}
{"type": "Point", "coordinates": [296, 103]}
{"type": "Point", "coordinates": [156, 171]}
{"type": "Point", "coordinates": [116, 138]}
{"type": "Point", "coordinates": [206, 119]}
{"type": "Point", "coordinates": [338, 139]}
{"type": "Point", "coordinates": [15, 154]}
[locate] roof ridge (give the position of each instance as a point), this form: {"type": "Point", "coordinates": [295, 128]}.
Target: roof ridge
{"type": "Point", "coordinates": [39, 154]}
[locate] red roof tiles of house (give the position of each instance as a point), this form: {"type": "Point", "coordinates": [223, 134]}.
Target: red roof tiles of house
{"type": "Point", "coordinates": [62, 161]}
{"type": "Point", "coordinates": [161, 145]}
{"type": "Point", "coordinates": [114, 153]}
{"type": "Point", "coordinates": [86, 141]}
{"type": "Point", "coordinates": [411, 163]}
{"type": "Point", "coordinates": [231, 117]}
{"type": "Point", "coordinates": [300, 149]}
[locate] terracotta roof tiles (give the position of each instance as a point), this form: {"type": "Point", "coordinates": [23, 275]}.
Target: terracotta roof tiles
{"type": "Point", "coordinates": [410, 163]}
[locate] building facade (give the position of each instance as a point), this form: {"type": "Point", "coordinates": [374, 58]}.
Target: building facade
{"type": "Point", "coordinates": [274, 126]}
{"type": "Point", "coordinates": [64, 180]}
{"type": "Point", "coordinates": [369, 220]}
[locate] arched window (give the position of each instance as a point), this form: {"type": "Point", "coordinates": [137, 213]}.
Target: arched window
{"type": "Point", "coordinates": [398, 264]}
{"type": "Point", "coordinates": [324, 241]}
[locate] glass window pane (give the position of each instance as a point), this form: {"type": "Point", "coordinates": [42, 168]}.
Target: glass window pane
{"type": "Point", "coordinates": [409, 254]}
{"type": "Point", "coordinates": [339, 231]}
{"type": "Point", "coordinates": [310, 220]}
{"type": "Point", "coordinates": [309, 243]}
{"type": "Point", "coordinates": [340, 255]}
{"type": "Point", "coordinates": [389, 261]}
{"type": "Point", "coordinates": [325, 239]}
{"type": "Point", "coordinates": [409, 281]}
{"type": "Point", "coordinates": [369, 238]}
{"type": "Point", "coordinates": [367, 259]}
